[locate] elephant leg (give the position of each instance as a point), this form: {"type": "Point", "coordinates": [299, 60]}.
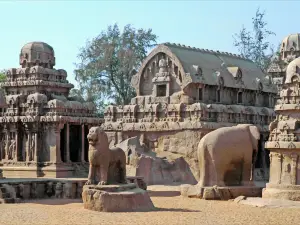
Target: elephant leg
{"type": "Point", "coordinates": [246, 175]}
{"type": "Point", "coordinates": [123, 173]}
{"type": "Point", "coordinates": [203, 167]}
{"type": "Point", "coordinates": [248, 170]}
{"type": "Point", "coordinates": [219, 175]}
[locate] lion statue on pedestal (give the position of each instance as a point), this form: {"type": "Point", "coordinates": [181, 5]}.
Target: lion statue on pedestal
{"type": "Point", "coordinates": [107, 166]}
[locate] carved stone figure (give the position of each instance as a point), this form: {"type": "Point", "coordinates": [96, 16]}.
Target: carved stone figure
{"type": "Point", "coordinates": [49, 189]}
{"type": "Point", "coordinates": [12, 150]}
{"type": "Point", "coordinates": [106, 165]}
{"type": "Point", "coordinates": [33, 190]}
{"type": "Point", "coordinates": [59, 190]}
{"type": "Point", "coordinates": [69, 190]}
{"type": "Point", "coordinates": [227, 156]}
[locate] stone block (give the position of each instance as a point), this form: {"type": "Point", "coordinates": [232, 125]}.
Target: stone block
{"type": "Point", "coordinates": [191, 191]}
{"type": "Point", "coordinates": [219, 193]}
{"type": "Point", "coordinates": [116, 198]}
{"type": "Point", "coordinates": [209, 193]}
{"type": "Point", "coordinates": [287, 192]}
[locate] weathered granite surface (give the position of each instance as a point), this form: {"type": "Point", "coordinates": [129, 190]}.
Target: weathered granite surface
{"type": "Point", "coordinates": [108, 171]}
{"type": "Point", "coordinates": [183, 93]}
{"type": "Point", "coordinates": [116, 198]}
{"type": "Point", "coordinates": [284, 139]}
{"type": "Point", "coordinates": [42, 128]}
{"type": "Point", "coordinates": [219, 193]}
{"type": "Point", "coordinates": [22, 189]}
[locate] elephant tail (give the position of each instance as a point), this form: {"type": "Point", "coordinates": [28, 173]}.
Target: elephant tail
{"type": "Point", "coordinates": [202, 151]}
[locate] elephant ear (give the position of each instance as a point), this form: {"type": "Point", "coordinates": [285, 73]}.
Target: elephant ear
{"type": "Point", "coordinates": [255, 132]}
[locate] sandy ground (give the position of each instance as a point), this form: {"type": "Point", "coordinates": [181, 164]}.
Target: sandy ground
{"type": "Point", "coordinates": [171, 209]}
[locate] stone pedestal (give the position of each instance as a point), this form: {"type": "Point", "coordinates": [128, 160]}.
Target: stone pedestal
{"type": "Point", "coordinates": [290, 192]}
{"type": "Point", "coordinates": [116, 198]}
{"type": "Point", "coordinates": [284, 180]}
{"type": "Point", "coordinates": [219, 193]}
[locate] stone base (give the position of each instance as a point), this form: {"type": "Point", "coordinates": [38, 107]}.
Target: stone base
{"type": "Point", "coordinates": [281, 191]}
{"type": "Point", "coordinates": [219, 193]}
{"type": "Point", "coordinates": [53, 171]}
{"type": "Point", "coordinates": [116, 198]}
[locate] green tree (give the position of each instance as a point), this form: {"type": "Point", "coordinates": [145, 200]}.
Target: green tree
{"type": "Point", "coordinates": [108, 62]}
{"type": "Point", "coordinates": [253, 44]}
{"type": "Point", "coordinates": [2, 76]}
{"type": "Point", "coordinates": [2, 79]}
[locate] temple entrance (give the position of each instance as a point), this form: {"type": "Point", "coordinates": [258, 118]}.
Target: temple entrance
{"type": "Point", "coordinates": [75, 144]}
{"type": "Point", "coordinates": [86, 143]}
{"type": "Point", "coordinates": [62, 144]}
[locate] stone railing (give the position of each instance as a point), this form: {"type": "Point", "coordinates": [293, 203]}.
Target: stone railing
{"type": "Point", "coordinates": [16, 190]}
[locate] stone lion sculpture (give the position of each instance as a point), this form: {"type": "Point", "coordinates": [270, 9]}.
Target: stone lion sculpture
{"type": "Point", "coordinates": [107, 166]}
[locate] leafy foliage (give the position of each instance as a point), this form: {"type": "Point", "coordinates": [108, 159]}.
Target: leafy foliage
{"type": "Point", "coordinates": [2, 76]}
{"type": "Point", "coordinates": [108, 62]}
{"type": "Point", "coordinates": [253, 44]}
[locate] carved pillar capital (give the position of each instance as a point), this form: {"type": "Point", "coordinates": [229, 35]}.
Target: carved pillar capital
{"type": "Point", "coordinates": [58, 127]}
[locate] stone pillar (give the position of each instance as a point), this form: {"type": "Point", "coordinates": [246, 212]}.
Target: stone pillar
{"type": "Point", "coordinates": [67, 143]}
{"type": "Point", "coordinates": [35, 155]}
{"type": "Point", "coordinates": [82, 143]}
{"type": "Point", "coordinates": [168, 89]}
{"type": "Point", "coordinates": [294, 158]}
{"type": "Point", "coordinates": [55, 147]}
{"type": "Point", "coordinates": [7, 144]}
{"type": "Point", "coordinates": [28, 146]}
{"type": "Point", "coordinates": [17, 147]}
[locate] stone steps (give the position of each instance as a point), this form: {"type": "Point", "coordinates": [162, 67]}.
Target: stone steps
{"type": "Point", "coordinates": [5, 197]}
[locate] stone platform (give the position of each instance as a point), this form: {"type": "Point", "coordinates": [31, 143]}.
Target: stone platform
{"type": "Point", "coordinates": [281, 191]}
{"type": "Point", "coordinates": [53, 171]}
{"type": "Point", "coordinates": [219, 193]}
{"type": "Point", "coordinates": [40, 188]}
{"type": "Point", "coordinates": [116, 198]}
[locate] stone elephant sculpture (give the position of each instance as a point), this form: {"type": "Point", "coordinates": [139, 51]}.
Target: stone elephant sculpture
{"type": "Point", "coordinates": [227, 156]}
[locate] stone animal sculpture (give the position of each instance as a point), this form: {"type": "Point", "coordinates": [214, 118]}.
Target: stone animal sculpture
{"type": "Point", "coordinates": [107, 166]}
{"type": "Point", "coordinates": [227, 156]}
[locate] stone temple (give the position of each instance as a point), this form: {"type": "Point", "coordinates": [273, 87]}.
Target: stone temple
{"type": "Point", "coordinates": [284, 137]}
{"type": "Point", "coordinates": [289, 50]}
{"type": "Point", "coordinates": [182, 93]}
{"type": "Point", "coordinates": [42, 130]}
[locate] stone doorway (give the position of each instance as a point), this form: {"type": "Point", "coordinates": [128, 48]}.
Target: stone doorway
{"type": "Point", "coordinates": [75, 144]}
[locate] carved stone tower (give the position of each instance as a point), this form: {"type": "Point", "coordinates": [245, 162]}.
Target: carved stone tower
{"type": "Point", "coordinates": [43, 131]}
{"type": "Point", "coordinates": [284, 140]}
{"type": "Point", "coordinates": [289, 50]}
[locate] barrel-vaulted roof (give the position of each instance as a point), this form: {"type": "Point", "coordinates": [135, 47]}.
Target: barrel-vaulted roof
{"type": "Point", "coordinates": [214, 65]}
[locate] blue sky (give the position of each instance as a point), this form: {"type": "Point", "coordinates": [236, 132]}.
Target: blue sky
{"type": "Point", "coordinates": [66, 25]}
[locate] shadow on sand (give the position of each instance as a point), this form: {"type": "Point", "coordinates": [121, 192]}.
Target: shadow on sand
{"type": "Point", "coordinates": [53, 201]}
{"type": "Point", "coordinates": [71, 201]}
{"type": "Point", "coordinates": [174, 210]}
{"type": "Point", "coordinates": [163, 193]}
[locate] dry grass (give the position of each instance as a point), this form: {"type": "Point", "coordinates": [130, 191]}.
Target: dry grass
{"type": "Point", "coordinates": [171, 209]}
